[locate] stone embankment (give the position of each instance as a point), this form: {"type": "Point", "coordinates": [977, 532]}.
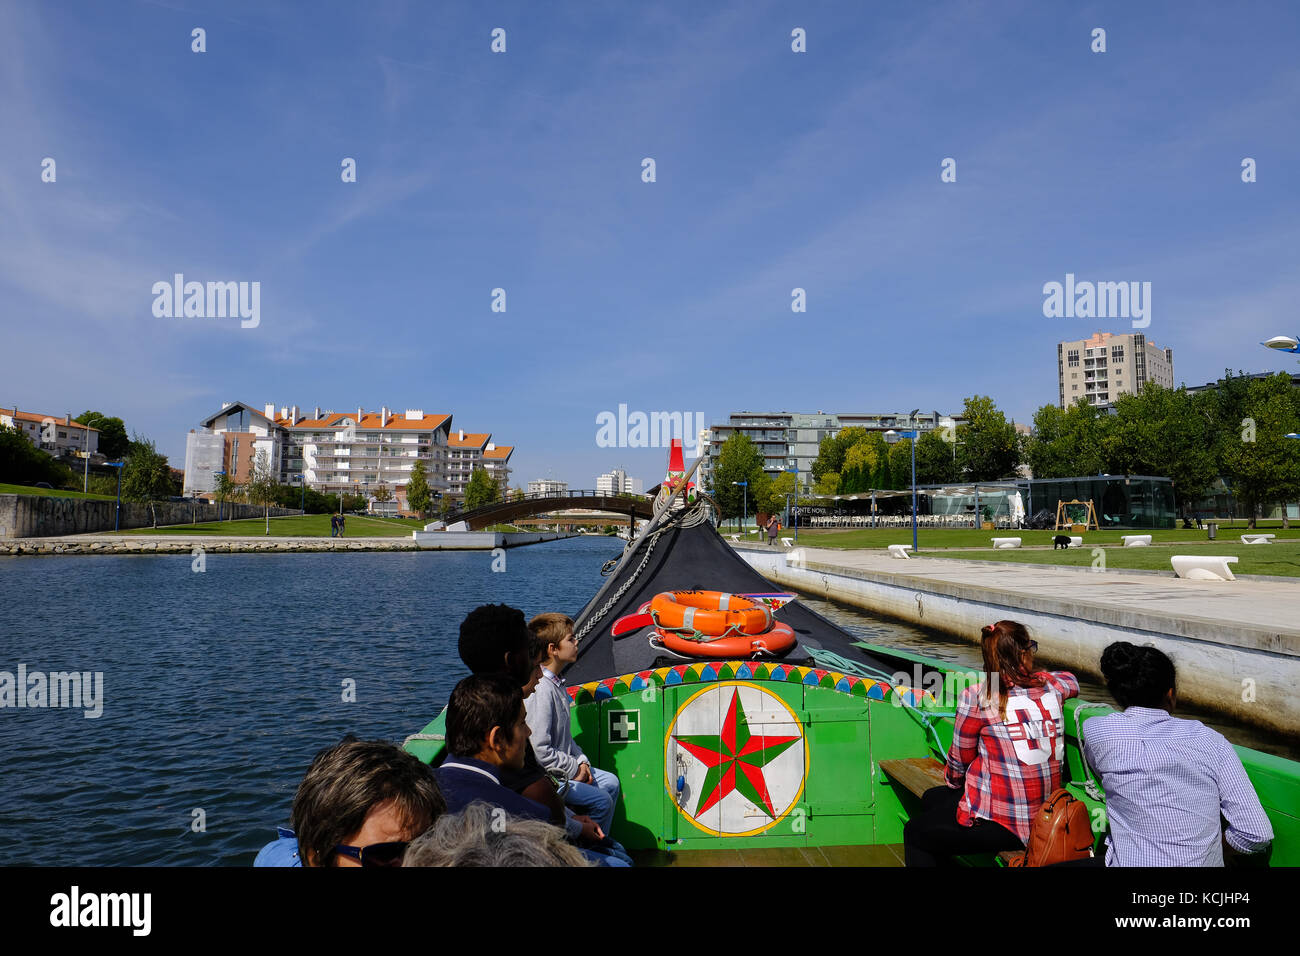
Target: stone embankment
{"type": "Point", "coordinates": [157, 544]}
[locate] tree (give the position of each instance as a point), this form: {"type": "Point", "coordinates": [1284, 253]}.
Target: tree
{"type": "Point", "coordinates": [1162, 431]}
{"type": "Point", "coordinates": [517, 494]}
{"type": "Point", "coordinates": [22, 463]}
{"type": "Point", "coordinates": [1071, 442]}
{"type": "Point", "coordinates": [900, 463]}
{"type": "Point", "coordinates": [383, 493]}
{"type": "Point", "coordinates": [989, 447]}
{"type": "Point", "coordinates": [936, 462]}
{"type": "Point", "coordinates": [481, 490]}
{"type": "Point", "coordinates": [828, 484]}
{"type": "Point", "coordinates": [1259, 462]}
{"type": "Point", "coordinates": [113, 443]}
{"type": "Point", "coordinates": [771, 494]}
{"type": "Point", "coordinates": [145, 475]}
{"type": "Point", "coordinates": [261, 485]}
{"type": "Point", "coordinates": [418, 496]}
{"type": "Point", "coordinates": [738, 460]}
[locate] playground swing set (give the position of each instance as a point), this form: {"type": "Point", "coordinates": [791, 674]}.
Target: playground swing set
{"type": "Point", "coordinates": [1076, 515]}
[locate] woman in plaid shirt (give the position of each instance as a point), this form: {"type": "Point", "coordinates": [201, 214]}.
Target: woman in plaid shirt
{"type": "Point", "coordinates": [1005, 758]}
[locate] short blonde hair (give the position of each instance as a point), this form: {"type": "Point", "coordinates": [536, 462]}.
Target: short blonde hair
{"type": "Point", "coordinates": [547, 629]}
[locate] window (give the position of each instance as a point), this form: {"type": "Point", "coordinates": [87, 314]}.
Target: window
{"type": "Point", "coordinates": [1073, 357]}
{"type": "Point", "coordinates": [1117, 353]}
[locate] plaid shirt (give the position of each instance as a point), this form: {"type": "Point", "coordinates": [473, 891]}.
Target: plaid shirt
{"type": "Point", "coordinates": [1008, 767]}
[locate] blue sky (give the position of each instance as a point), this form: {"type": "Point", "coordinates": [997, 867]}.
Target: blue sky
{"type": "Point", "coordinates": [522, 171]}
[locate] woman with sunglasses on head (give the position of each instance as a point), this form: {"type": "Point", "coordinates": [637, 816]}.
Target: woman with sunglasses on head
{"type": "Point", "coordinates": [1007, 746]}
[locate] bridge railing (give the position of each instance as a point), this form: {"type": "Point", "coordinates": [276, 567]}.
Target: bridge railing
{"type": "Point", "coordinates": [540, 495]}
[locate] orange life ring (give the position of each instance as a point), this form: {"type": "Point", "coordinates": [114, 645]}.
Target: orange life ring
{"type": "Point", "coordinates": [712, 613]}
{"type": "Point", "coordinates": [738, 646]}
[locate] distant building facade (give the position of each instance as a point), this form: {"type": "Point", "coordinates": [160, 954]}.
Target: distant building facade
{"type": "Point", "coordinates": [791, 441]}
{"type": "Point", "coordinates": [548, 486]}
{"type": "Point", "coordinates": [350, 452]}
{"type": "Point", "coordinates": [58, 436]}
{"type": "Point", "coordinates": [617, 482]}
{"type": "Point", "coordinates": [1102, 368]}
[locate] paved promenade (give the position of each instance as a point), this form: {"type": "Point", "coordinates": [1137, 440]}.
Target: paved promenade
{"type": "Point", "coordinates": [1236, 643]}
{"type": "Point", "coordinates": [1265, 611]}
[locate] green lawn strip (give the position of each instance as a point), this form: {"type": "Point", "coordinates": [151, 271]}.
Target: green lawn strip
{"type": "Point", "coordinates": [50, 492]}
{"type": "Point", "coordinates": [970, 538]}
{"type": "Point", "coordinates": [292, 526]}
{"type": "Point", "coordinates": [1281, 559]}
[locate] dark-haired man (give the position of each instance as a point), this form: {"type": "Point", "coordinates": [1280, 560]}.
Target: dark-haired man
{"type": "Point", "coordinates": [360, 803]}
{"type": "Point", "coordinates": [487, 731]}
{"type": "Point", "coordinates": [494, 639]}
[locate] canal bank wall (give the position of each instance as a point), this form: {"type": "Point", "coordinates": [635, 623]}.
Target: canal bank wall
{"type": "Point", "coordinates": [209, 544]}
{"type": "Point", "coordinates": [47, 516]}
{"type": "Point", "coordinates": [1236, 645]}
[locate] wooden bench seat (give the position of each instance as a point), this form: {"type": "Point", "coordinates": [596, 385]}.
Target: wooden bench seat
{"type": "Point", "coordinates": [915, 774]}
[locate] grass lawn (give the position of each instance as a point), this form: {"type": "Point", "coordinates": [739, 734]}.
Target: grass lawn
{"type": "Point", "coordinates": [294, 526]}
{"type": "Point", "coordinates": [971, 538]}
{"type": "Point", "coordinates": [50, 492]}
{"type": "Point", "coordinates": [1278, 559]}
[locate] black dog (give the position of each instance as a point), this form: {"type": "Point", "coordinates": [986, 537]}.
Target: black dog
{"type": "Point", "coordinates": [1061, 541]}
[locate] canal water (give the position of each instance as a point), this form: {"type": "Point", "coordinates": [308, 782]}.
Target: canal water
{"type": "Point", "coordinates": [220, 686]}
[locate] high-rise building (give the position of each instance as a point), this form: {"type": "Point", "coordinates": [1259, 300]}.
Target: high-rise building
{"type": "Point", "coordinates": [791, 441]}
{"type": "Point", "coordinates": [1102, 368]}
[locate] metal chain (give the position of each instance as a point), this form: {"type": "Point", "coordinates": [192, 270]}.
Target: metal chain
{"type": "Point", "coordinates": [696, 516]}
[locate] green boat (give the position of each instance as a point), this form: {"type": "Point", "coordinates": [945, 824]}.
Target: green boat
{"type": "Point", "coordinates": [816, 756]}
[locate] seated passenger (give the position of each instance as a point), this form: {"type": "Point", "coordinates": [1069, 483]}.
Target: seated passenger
{"type": "Point", "coordinates": [1005, 758]}
{"type": "Point", "coordinates": [591, 790]}
{"type": "Point", "coordinates": [360, 803]}
{"type": "Point", "coordinates": [1167, 780]}
{"type": "Point", "coordinates": [481, 835]}
{"type": "Point", "coordinates": [494, 639]}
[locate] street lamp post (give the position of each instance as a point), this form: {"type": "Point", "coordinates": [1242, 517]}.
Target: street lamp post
{"type": "Point", "coordinates": [744, 498]}
{"type": "Point", "coordinates": [793, 516]}
{"type": "Point", "coordinates": [892, 440]}
{"type": "Point", "coordinates": [117, 510]}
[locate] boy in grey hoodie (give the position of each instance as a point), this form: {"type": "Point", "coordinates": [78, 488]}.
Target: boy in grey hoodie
{"type": "Point", "coordinates": [593, 790]}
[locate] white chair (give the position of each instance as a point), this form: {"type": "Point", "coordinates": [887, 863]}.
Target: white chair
{"type": "Point", "coordinates": [1203, 567]}
{"type": "Point", "coordinates": [1076, 541]}
{"type": "Point", "coordinates": [1006, 542]}
{"type": "Point", "coordinates": [788, 542]}
{"type": "Point", "coordinates": [899, 550]}
{"type": "Point", "coordinates": [1257, 538]}
{"type": "Point", "coordinates": [1135, 540]}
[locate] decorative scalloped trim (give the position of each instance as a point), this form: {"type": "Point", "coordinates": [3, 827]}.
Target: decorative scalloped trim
{"type": "Point", "coordinates": [704, 671]}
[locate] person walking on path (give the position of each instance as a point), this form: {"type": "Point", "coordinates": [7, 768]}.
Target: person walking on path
{"type": "Point", "coordinates": [773, 527]}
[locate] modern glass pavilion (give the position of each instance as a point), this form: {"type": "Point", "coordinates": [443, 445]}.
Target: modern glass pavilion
{"type": "Point", "coordinates": [1121, 501]}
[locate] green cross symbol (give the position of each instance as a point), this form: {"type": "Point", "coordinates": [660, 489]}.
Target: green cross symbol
{"type": "Point", "coordinates": [624, 727]}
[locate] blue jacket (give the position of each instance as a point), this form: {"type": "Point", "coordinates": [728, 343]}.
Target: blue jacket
{"type": "Point", "coordinates": [280, 852]}
{"type": "Point", "coordinates": [463, 780]}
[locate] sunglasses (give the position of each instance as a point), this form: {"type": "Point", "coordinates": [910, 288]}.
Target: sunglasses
{"type": "Point", "coordinates": [376, 854]}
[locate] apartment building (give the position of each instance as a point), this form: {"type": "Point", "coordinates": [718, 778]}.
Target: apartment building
{"type": "Point", "coordinates": [58, 436]}
{"type": "Point", "coordinates": [469, 450]}
{"type": "Point", "coordinates": [548, 486]}
{"type": "Point", "coordinates": [617, 482]}
{"type": "Point", "coordinates": [790, 441]}
{"type": "Point", "coordinates": [1108, 365]}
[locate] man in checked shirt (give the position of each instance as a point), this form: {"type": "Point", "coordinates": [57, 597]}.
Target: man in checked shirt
{"type": "Point", "coordinates": [1167, 780]}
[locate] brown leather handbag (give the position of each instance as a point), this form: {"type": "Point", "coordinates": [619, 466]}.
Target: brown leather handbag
{"type": "Point", "coordinates": [1061, 831]}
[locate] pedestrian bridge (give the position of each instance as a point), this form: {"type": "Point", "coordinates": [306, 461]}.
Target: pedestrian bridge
{"type": "Point", "coordinates": [504, 512]}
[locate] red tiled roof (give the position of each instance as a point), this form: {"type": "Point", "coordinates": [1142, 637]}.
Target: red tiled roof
{"type": "Point", "coordinates": [33, 417]}
{"type": "Point", "coordinates": [370, 420]}
{"type": "Point", "coordinates": [501, 451]}
{"type": "Point", "coordinates": [471, 440]}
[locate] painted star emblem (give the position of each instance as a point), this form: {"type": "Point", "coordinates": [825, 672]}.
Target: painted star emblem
{"type": "Point", "coordinates": [735, 759]}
